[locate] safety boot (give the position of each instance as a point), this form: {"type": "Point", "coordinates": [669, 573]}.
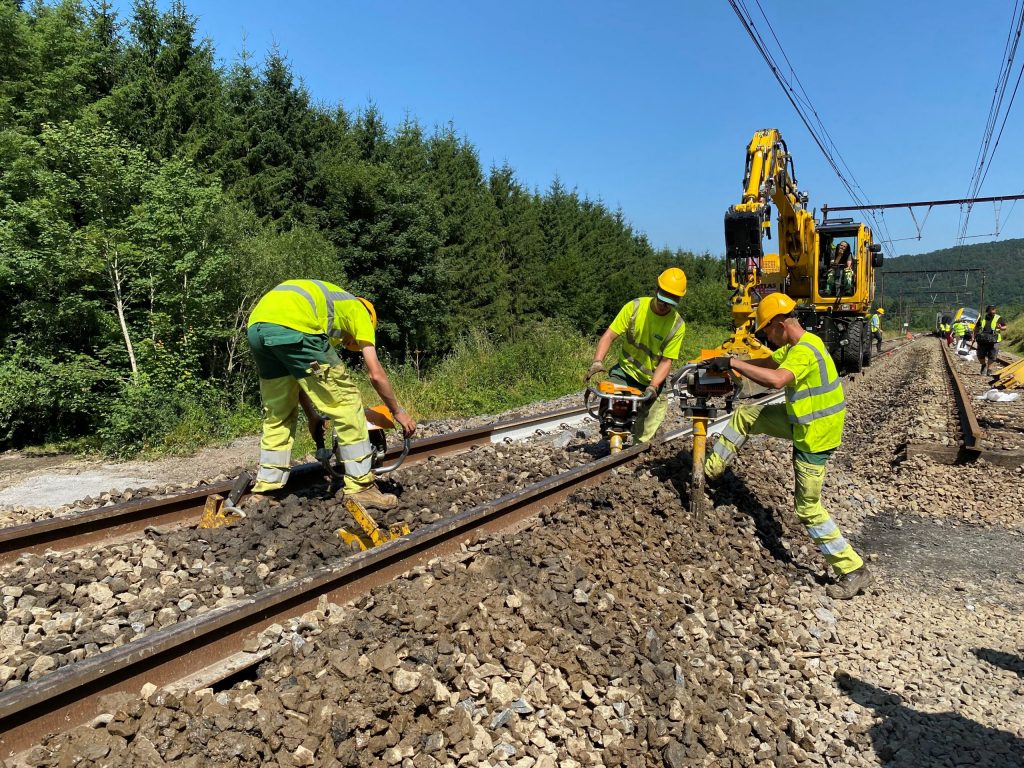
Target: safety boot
{"type": "Point", "coordinates": [850, 584]}
{"type": "Point", "coordinates": [372, 496]}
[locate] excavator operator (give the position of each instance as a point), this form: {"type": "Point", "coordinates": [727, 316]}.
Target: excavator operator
{"type": "Point", "coordinates": [293, 331]}
{"type": "Point", "coordinates": [652, 333]}
{"type": "Point", "coordinates": [812, 418]}
{"type": "Point", "coordinates": [840, 271]}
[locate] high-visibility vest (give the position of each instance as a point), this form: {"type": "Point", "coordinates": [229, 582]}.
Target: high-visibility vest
{"type": "Point", "coordinates": [816, 404]}
{"type": "Point", "coordinates": [876, 322]}
{"type": "Point", "coordinates": [317, 307]}
{"type": "Point", "coordinates": [639, 360]}
{"type": "Point", "coordinates": [980, 328]}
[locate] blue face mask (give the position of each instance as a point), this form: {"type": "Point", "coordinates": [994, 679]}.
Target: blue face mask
{"type": "Point", "coordinates": [672, 301]}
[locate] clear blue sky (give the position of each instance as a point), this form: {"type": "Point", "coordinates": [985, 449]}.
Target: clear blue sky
{"type": "Point", "coordinates": [649, 106]}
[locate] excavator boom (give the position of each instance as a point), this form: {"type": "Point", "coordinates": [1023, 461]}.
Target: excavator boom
{"type": "Point", "coordinates": [832, 284]}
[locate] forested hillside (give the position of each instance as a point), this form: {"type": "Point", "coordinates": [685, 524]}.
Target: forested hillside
{"type": "Point", "coordinates": [1002, 260]}
{"type": "Point", "coordinates": [148, 197]}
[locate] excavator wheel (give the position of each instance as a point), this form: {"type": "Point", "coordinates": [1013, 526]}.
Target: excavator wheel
{"type": "Point", "coordinates": [853, 350]}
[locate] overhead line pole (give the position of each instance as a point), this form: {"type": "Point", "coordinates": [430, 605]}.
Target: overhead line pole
{"type": "Point", "coordinates": [920, 204]}
{"type": "Point", "coordinates": [883, 272]}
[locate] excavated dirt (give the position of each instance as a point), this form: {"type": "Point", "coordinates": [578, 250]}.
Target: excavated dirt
{"type": "Point", "coordinates": [619, 630]}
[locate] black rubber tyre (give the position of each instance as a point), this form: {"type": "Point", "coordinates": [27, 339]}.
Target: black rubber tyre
{"type": "Point", "coordinates": [853, 350]}
{"type": "Point", "coordinates": [868, 350]}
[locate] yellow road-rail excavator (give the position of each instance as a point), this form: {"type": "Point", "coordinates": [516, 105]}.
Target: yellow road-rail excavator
{"type": "Point", "coordinates": [827, 267]}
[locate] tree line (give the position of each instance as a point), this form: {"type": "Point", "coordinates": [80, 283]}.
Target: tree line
{"type": "Point", "coordinates": [149, 196]}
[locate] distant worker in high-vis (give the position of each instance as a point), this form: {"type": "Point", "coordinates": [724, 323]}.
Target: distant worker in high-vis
{"type": "Point", "coordinates": [812, 418]}
{"type": "Point", "coordinates": [652, 334]}
{"type": "Point", "coordinates": [293, 332]}
{"type": "Point", "coordinates": [876, 329]}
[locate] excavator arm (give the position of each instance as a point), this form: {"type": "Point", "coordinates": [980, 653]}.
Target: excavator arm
{"type": "Point", "coordinates": [832, 301]}
{"type": "Point", "coordinates": [768, 180]}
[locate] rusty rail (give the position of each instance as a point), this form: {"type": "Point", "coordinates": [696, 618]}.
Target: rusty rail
{"type": "Point", "coordinates": [132, 517]}
{"type": "Point", "coordinates": [969, 427]}
{"type": "Point", "coordinates": [69, 696]}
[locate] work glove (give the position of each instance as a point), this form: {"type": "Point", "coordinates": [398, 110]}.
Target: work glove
{"type": "Point", "coordinates": [721, 364]}
{"type": "Point", "coordinates": [650, 393]}
{"type": "Point", "coordinates": [596, 368]}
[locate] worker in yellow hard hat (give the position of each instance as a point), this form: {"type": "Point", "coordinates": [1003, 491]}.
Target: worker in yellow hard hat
{"type": "Point", "coordinates": [812, 418]}
{"type": "Point", "coordinates": [293, 331]}
{"type": "Point", "coordinates": [652, 332]}
{"type": "Point", "coordinates": [876, 328]}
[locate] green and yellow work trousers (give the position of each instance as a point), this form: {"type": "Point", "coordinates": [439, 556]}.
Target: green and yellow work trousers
{"type": "Point", "coordinates": [650, 414]}
{"type": "Point", "coordinates": [845, 278]}
{"type": "Point", "coordinates": [289, 361]}
{"type": "Point", "coordinates": [809, 470]}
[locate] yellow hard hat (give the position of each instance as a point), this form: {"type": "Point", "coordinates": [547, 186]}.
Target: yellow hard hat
{"type": "Point", "coordinates": [370, 309]}
{"type": "Point", "coordinates": [880, 311]}
{"type": "Point", "coordinates": [771, 306]}
{"type": "Point", "coordinates": [352, 345]}
{"type": "Point", "coordinates": [673, 282]}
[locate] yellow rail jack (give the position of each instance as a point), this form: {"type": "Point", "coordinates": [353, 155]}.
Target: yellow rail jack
{"type": "Point", "coordinates": [372, 535]}
{"type": "Point", "coordinates": [216, 514]}
{"type": "Point", "coordinates": [1011, 377]}
{"type": "Point", "coordinates": [218, 511]}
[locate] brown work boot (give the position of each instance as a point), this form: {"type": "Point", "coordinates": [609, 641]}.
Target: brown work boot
{"type": "Point", "coordinates": [850, 584]}
{"type": "Point", "coordinates": [372, 496]}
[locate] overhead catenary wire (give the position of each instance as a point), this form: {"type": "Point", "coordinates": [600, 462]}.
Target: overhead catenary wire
{"type": "Point", "coordinates": [801, 102]}
{"type": "Point", "coordinates": [988, 147]}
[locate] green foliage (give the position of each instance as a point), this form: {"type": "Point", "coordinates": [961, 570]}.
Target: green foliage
{"type": "Point", "coordinates": [1002, 260]}
{"type": "Point", "coordinates": [44, 399]}
{"type": "Point", "coordinates": [149, 197]}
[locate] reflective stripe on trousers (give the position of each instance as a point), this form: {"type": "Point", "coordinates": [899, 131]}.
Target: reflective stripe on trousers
{"type": "Point", "coordinates": [333, 394]}
{"type": "Point", "coordinates": [746, 420]}
{"type": "Point", "coordinates": [819, 525]}
{"type": "Point", "coordinates": [773, 420]}
{"type": "Point", "coordinates": [358, 457]}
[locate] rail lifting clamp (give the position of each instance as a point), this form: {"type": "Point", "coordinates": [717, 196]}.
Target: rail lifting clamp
{"type": "Point", "coordinates": [219, 511]}
{"type": "Point", "coordinates": [378, 421]}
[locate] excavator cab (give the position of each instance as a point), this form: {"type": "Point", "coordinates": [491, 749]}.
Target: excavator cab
{"type": "Point", "coordinates": [837, 265]}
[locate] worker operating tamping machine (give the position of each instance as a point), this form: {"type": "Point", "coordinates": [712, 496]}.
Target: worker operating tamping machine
{"type": "Point", "coordinates": [695, 386]}
{"type": "Point", "coordinates": [617, 408]}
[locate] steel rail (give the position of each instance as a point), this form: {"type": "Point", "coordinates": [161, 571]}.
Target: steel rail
{"type": "Point", "coordinates": [969, 427]}
{"type": "Point", "coordinates": [69, 696]}
{"type": "Point", "coordinates": [131, 517]}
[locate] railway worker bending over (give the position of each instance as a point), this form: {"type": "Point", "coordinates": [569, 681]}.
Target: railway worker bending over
{"type": "Point", "coordinates": [293, 332]}
{"type": "Point", "coordinates": [652, 332]}
{"type": "Point", "coordinates": [812, 418]}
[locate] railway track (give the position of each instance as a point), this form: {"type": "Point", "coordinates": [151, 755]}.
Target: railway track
{"type": "Point", "coordinates": [69, 695]}
{"type": "Point", "coordinates": [979, 437]}
{"type": "Point", "coordinates": [132, 517]}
